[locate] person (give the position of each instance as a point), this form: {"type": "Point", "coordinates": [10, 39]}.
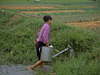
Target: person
{"type": "Point", "coordinates": [42, 40]}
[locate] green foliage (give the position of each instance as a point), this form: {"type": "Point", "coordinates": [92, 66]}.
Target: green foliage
{"type": "Point", "coordinates": [83, 65]}
{"type": "Point", "coordinates": [50, 2]}
{"type": "Point", "coordinates": [17, 34]}
{"type": "Point", "coordinates": [29, 1]}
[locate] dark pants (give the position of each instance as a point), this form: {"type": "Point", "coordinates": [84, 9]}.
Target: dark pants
{"type": "Point", "coordinates": [39, 45]}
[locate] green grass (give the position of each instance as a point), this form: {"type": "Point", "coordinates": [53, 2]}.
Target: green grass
{"type": "Point", "coordinates": [17, 34]}
{"type": "Point", "coordinates": [49, 3]}
{"type": "Point", "coordinates": [89, 14]}
{"type": "Point", "coordinates": [29, 1]}
{"type": "Point", "coordinates": [83, 65]}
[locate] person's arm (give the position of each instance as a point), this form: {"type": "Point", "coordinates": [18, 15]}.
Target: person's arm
{"type": "Point", "coordinates": [47, 45]}
{"type": "Point", "coordinates": [35, 40]}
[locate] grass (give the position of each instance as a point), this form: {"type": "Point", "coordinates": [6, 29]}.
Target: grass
{"type": "Point", "coordinates": [17, 34]}
{"type": "Point", "coordinates": [89, 14]}
{"type": "Point", "coordinates": [50, 2]}
{"type": "Point", "coordinates": [83, 65]}
{"type": "Point", "coordinates": [29, 1]}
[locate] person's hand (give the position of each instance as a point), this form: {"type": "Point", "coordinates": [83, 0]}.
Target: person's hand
{"type": "Point", "coordinates": [47, 45]}
{"type": "Point", "coordinates": [35, 41]}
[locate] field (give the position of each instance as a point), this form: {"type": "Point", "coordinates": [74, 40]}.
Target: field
{"type": "Point", "coordinates": [75, 22]}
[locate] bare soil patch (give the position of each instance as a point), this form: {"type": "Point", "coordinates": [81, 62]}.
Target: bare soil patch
{"type": "Point", "coordinates": [52, 11]}
{"type": "Point", "coordinates": [88, 6]}
{"type": "Point", "coordinates": [84, 7]}
{"type": "Point", "coordinates": [75, 6]}
{"type": "Point", "coordinates": [25, 7]}
{"type": "Point", "coordinates": [90, 25]}
{"type": "Point", "coordinates": [38, 7]}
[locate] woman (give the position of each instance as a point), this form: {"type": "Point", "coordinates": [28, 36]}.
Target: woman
{"type": "Point", "coordinates": [42, 40]}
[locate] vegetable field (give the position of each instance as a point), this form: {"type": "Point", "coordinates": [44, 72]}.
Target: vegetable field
{"type": "Point", "coordinates": [75, 22]}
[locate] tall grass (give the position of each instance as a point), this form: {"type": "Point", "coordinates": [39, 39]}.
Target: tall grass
{"type": "Point", "coordinates": [29, 1]}
{"type": "Point", "coordinates": [17, 34]}
{"type": "Point", "coordinates": [49, 3]}
{"type": "Point", "coordinates": [83, 65]}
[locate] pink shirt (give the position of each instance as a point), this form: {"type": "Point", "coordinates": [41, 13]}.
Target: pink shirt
{"type": "Point", "coordinates": [44, 34]}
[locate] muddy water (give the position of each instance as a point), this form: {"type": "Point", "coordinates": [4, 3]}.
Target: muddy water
{"type": "Point", "coordinates": [20, 70]}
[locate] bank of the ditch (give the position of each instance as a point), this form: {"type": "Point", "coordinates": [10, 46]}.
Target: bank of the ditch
{"type": "Point", "coordinates": [17, 35]}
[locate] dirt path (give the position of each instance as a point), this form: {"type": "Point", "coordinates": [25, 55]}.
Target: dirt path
{"type": "Point", "coordinates": [52, 11]}
{"type": "Point", "coordinates": [25, 7]}
{"type": "Point", "coordinates": [90, 25]}
{"type": "Point", "coordinates": [88, 7]}
{"type": "Point", "coordinates": [39, 7]}
{"type": "Point", "coordinates": [83, 7]}
{"type": "Point", "coordinates": [22, 70]}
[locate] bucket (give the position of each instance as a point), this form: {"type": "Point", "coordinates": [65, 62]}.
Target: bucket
{"type": "Point", "coordinates": [46, 54]}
